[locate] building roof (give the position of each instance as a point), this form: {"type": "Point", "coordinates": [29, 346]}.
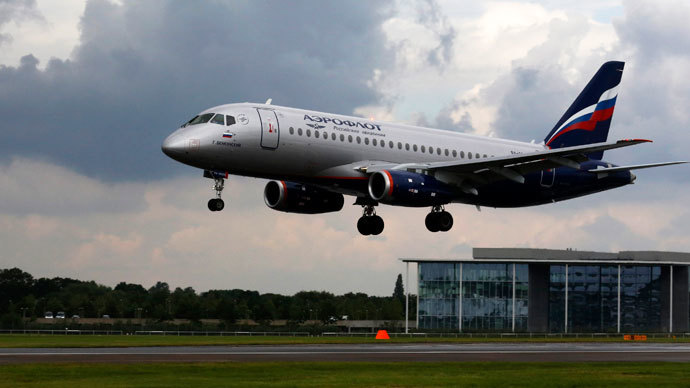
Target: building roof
{"type": "Point", "coordinates": [536, 255]}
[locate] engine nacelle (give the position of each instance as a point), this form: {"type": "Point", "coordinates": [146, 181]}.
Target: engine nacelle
{"type": "Point", "coordinates": [408, 189]}
{"type": "Point", "coordinates": [298, 198]}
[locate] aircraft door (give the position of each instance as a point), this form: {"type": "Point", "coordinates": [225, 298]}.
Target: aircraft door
{"type": "Point", "coordinates": [270, 131]}
{"type": "Point", "coordinates": [548, 177]}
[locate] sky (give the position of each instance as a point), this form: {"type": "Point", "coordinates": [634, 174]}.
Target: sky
{"type": "Point", "coordinates": [90, 88]}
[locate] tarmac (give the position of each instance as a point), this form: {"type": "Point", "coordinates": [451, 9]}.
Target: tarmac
{"type": "Point", "coordinates": [383, 352]}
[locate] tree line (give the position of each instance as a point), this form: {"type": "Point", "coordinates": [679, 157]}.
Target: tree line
{"type": "Point", "coordinates": [22, 297]}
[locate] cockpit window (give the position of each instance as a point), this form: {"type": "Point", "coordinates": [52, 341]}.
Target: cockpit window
{"type": "Point", "coordinates": [229, 120]}
{"type": "Point", "coordinates": [204, 118]}
{"type": "Point", "coordinates": [218, 119]}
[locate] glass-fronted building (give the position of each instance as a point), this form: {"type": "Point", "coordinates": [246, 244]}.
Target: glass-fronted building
{"type": "Point", "coordinates": [543, 290]}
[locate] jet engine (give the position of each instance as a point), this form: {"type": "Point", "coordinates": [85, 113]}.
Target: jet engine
{"type": "Point", "coordinates": [408, 189]}
{"type": "Point", "coordinates": [293, 197]}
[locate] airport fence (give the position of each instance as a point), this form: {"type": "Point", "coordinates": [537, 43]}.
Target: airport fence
{"type": "Point", "coordinates": [224, 333]}
{"type": "Point", "coordinates": [340, 334]}
{"type": "Point", "coordinates": [64, 332]}
{"type": "Point", "coordinates": [508, 335]}
{"type": "Point", "coordinates": [161, 333]}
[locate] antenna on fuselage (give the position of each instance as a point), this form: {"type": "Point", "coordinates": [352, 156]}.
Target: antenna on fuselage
{"type": "Point", "coordinates": [268, 102]}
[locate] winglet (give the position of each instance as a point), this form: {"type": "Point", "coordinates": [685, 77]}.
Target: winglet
{"type": "Point", "coordinates": [268, 102]}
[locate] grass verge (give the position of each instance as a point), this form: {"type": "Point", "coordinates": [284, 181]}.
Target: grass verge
{"type": "Point", "coordinates": [323, 374]}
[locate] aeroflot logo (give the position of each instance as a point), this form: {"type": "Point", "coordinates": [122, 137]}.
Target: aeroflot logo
{"type": "Point", "coordinates": [349, 123]}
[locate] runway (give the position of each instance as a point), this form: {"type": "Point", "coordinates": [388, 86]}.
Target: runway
{"type": "Point", "coordinates": [557, 352]}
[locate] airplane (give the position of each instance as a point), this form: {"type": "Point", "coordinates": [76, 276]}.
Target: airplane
{"type": "Point", "coordinates": [313, 159]}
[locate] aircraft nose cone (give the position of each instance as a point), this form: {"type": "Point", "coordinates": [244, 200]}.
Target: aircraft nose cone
{"type": "Point", "coordinates": [173, 146]}
{"type": "Point", "coordinates": [632, 177]}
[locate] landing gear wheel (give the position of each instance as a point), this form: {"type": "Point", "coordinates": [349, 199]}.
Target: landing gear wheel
{"type": "Point", "coordinates": [216, 204]}
{"type": "Point", "coordinates": [438, 220]}
{"type": "Point", "coordinates": [444, 221]}
{"type": "Point", "coordinates": [363, 225]}
{"type": "Point", "coordinates": [376, 224]}
{"type": "Point", "coordinates": [369, 223]}
{"type": "Point", "coordinates": [431, 223]}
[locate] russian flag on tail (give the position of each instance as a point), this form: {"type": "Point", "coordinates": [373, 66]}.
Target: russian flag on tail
{"type": "Point", "coordinates": [588, 119]}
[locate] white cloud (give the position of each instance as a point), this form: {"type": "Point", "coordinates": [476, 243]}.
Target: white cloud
{"type": "Point", "coordinates": [51, 31]}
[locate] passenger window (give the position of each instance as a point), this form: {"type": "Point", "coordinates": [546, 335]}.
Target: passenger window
{"type": "Point", "coordinates": [308, 132]}
{"type": "Point", "coordinates": [366, 140]}
{"type": "Point", "coordinates": [477, 156]}
{"type": "Point", "coordinates": [374, 142]}
{"type": "Point", "coordinates": [316, 134]}
{"type": "Point", "coordinates": [383, 143]}
{"type": "Point", "coordinates": [218, 119]}
{"type": "Point", "coordinates": [299, 131]}
{"type": "Point", "coordinates": [414, 147]}
{"type": "Point", "coordinates": [485, 155]}
{"type": "Point", "coordinates": [407, 146]}
{"type": "Point", "coordinates": [325, 135]}
{"type": "Point", "coordinates": [462, 154]}
{"type": "Point", "coordinates": [423, 149]}
{"type": "Point", "coordinates": [390, 144]}
{"type": "Point", "coordinates": [399, 145]}
{"type": "Point", "coordinates": [455, 153]}
{"type": "Point", "coordinates": [292, 131]}
{"type": "Point", "coordinates": [469, 155]}
{"type": "Point", "coordinates": [349, 138]}
{"type": "Point", "coordinates": [342, 137]}
{"type": "Point", "coordinates": [359, 140]}
{"type": "Point", "coordinates": [431, 150]}
{"type": "Point", "coordinates": [333, 136]}
{"type": "Point", "coordinates": [229, 120]}
{"type": "Point", "coordinates": [446, 151]}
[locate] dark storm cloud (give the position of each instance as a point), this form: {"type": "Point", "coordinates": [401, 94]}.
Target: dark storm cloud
{"type": "Point", "coordinates": [142, 68]}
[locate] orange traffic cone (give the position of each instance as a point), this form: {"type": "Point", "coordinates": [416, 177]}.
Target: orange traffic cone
{"type": "Point", "coordinates": [382, 334]}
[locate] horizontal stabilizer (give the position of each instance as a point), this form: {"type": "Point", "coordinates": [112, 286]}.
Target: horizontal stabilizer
{"type": "Point", "coordinates": [635, 167]}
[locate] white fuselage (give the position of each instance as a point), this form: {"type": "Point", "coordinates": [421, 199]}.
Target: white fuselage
{"type": "Point", "coordinates": [298, 143]}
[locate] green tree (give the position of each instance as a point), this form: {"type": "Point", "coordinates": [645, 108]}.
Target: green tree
{"type": "Point", "coordinates": [399, 291]}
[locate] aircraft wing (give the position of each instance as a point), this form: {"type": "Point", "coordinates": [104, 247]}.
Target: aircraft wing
{"type": "Point", "coordinates": [469, 173]}
{"type": "Point", "coordinates": [634, 167]}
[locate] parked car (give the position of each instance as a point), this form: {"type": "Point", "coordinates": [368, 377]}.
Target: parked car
{"type": "Point", "coordinates": [105, 316]}
{"type": "Point", "coordinates": [75, 316]}
{"type": "Point", "coordinates": [60, 315]}
{"type": "Point", "coordinates": [48, 314]}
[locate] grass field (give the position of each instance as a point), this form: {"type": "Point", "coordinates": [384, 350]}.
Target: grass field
{"type": "Point", "coordinates": [95, 341]}
{"type": "Point", "coordinates": [324, 374]}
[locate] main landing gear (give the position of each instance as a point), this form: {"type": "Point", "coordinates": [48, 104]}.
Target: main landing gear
{"type": "Point", "coordinates": [438, 220]}
{"type": "Point", "coordinates": [217, 204]}
{"type": "Point", "coordinates": [369, 223]}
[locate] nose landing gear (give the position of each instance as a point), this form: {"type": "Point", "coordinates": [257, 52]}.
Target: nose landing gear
{"type": "Point", "coordinates": [438, 220]}
{"type": "Point", "coordinates": [369, 223]}
{"type": "Point", "coordinates": [217, 204]}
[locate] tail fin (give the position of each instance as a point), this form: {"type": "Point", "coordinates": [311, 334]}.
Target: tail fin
{"type": "Point", "coordinates": [588, 119]}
